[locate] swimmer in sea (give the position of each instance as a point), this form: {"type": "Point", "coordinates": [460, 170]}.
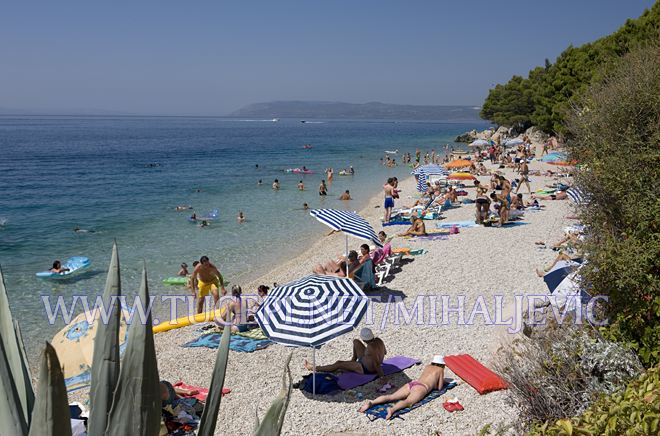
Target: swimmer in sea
{"type": "Point", "coordinates": [203, 224]}
{"type": "Point", "coordinates": [259, 183]}
{"type": "Point", "coordinates": [79, 230]}
{"type": "Point", "coordinates": [305, 206]}
{"type": "Point", "coordinates": [240, 218]}
{"type": "Point", "coordinates": [301, 186]}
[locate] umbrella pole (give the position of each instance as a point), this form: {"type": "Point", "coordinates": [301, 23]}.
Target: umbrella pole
{"type": "Point", "coordinates": [314, 372]}
{"type": "Point", "coordinates": [346, 258]}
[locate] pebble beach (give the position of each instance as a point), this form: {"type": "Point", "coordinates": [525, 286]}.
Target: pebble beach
{"type": "Point", "coordinates": [478, 262]}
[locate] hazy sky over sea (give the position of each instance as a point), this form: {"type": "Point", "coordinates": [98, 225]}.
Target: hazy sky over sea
{"type": "Point", "coordinates": [212, 57]}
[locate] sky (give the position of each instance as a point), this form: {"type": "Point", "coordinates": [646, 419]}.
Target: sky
{"type": "Point", "coordinates": [212, 57]}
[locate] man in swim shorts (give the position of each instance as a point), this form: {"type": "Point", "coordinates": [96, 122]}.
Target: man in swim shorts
{"type": "Point", "coordinates": [433, 377]}
{"type": "Point", "coordinates": [207, 279]}
{"type": "Point", "coordinates": [368, 355]}
{"type": "Point", "coordinates": [388, 190]}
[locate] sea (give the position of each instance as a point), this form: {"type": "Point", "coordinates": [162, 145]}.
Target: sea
{"type": "Point", "coordinates": [121, 178]}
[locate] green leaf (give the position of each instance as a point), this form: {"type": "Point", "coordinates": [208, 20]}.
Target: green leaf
{"type": "Point", "coordinates": [50, 416]}
{"type": "Point", "coordinates": [105, 363]}
{"type": "Point", "coordinates": [136, 404]}
{"type": "Point", "coordinates": [210, 414]}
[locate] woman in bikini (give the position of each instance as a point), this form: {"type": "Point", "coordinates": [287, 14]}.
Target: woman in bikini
{"type": "Point", "coordinates": [433, 377]}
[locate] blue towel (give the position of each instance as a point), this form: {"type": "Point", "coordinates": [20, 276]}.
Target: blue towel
{"type": "Point", "coordinates": [237, 343]}
{"type": "Point", "coordinates": [398, 223]}
{"type": "Point", "coordinates": [380, 410]}
{"type": "Point", "coordinates": [459, 224]}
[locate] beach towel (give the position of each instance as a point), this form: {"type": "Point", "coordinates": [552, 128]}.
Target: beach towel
{"type": "Point", "coordinates": [237, 343]}
{"type": "Point", "coordinates": [257, 334]}
{"type": "Point", "coordinates": [380, 410]}
{"type": "Point", "coordinates": [397, 223]}
{"type": "Point", "coordinates": [431, 237]}
{"type": "Point", "coordinates": [326, 383]}
{"type": "Point", "coordinates": [475, 374]}
{"type": "Point", "coordinates": [459, 224]}
{"type": "Point", "coordinates": [350, 380]}
{"type": "Point", "coordinates": [202, 392]}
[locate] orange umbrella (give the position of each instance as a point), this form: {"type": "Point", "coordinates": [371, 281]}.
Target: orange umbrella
{"type": "Point", "coordinates": [458, 163]}
{"type": "Point", "coordinates": [461, 176]}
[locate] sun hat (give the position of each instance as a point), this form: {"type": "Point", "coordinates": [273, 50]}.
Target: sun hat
{"type": "Point", "coordinates": [440, 360]}
{"type": "Point", "coordinates": [366, 334]}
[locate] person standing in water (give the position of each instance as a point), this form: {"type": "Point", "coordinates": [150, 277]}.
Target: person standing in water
{"type": "Point", "coordinates": [388, 191]}
{"type": "Point", "coordinates": [329, 175]}
{"type": "Point", "coordinates": [301, 186]}
{"type": "Point", "coordinates": [323, 190]}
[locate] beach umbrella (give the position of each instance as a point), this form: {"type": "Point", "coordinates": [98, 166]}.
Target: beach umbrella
{"type": "Point", "coordinates": [479, 143]}
{"type": "Point", "coordinates": [577, 196]}
{"type": "Point", "coordinates": [513, 141]}
{"type": "Point", "coordinates": [558, 273]}
{"type": "Point", "coordinates": [458, 163]}
{"type": "Point", "coordinates": [422, 173]}
{"type": "Point", "coordinates": [75, 346]}
{"type": "Point", "coordinates": [569, 290]}
{"type": "Point", "coordinates": [311, 311]}
{"type": "Point", "coordinates": [461, 176]}
{"type": "Point", "coordinates": [350, 223]}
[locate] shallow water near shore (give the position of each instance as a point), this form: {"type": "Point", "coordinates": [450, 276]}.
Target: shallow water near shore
{"type": "Point", "coordinates": [123, 176]}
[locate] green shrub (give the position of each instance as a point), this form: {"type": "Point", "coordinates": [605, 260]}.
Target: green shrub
{"type": "Point", "coordinates": [636, 411]}
{"type": "Point", "coordinates": [615, 135]}
{"type": "Point", "coordinates": [557, 370]}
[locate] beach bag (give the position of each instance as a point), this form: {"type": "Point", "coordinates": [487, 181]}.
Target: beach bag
{"type": "Point", "coordinates": [325, 383]}
{"type": "Point", "coordinates": [454, 230]}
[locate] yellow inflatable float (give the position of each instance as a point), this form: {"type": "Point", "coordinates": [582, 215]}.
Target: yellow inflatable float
{"type": "Point", "coordinates": [187, 320]}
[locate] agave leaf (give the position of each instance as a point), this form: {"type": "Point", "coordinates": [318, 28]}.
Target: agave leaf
{"type": "Point", "coordinates": [136, 405]}
{"type": "Point", "coordinates": [105, 363]}
{"type": "Point", "coordinates": [274, 418]}
{"type": "Point", "coordinates": [15, 355]}
{"type": "Point", "coordinates": [51, 416]}
{"type": "Point", "coordinates": [11, 413]}
{"type": "Point", "coordinates": [210, 414]}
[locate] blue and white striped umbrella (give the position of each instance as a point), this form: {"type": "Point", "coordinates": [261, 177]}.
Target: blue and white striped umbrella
{"type": "Point", "coordinates": [558, 273]}
{"type": "Point", "coordinates": [348, 222]}
{"type": "Point", "coordinates": [479, 143]}
{"type": "Point", "coordinates": [577, 196]}
{"type": "Point", "coordinates": [312, 310]}
{"type": "Point", "coordinates": [424, 171]}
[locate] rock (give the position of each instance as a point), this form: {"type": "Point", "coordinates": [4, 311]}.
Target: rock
{"type": "Point", "coordinates": [467, 137]}
{"type": "Point", "coordinates": [536, 136]}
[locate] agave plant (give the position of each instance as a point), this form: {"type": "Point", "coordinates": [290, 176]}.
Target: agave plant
{"type": "Point", "coordinates": [124, 397]}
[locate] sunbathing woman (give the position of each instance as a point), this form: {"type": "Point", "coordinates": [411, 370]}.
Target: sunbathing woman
{"type": "Point", "coordinates": [417, 229]}
{"type": "Point", "coordinates": [433, 377]}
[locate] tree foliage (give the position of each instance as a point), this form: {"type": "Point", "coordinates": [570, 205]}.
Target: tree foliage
{"type": "Point", "coordinates": [614, 132]}
{"type": "Point", "coordinates": [544, 97]}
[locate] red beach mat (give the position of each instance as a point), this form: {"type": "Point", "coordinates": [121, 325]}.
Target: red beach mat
{"type": "Point", "coordinates": [475, 374]}
{"type": "Point", "coordinates": [201, 394]}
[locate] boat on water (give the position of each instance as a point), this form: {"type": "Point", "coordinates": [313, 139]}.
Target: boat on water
{"type": "Point", "coordinates": [275, 120]}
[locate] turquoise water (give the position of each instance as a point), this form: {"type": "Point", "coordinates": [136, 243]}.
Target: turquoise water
{"type": "Point", "coordinates": [123, 176]}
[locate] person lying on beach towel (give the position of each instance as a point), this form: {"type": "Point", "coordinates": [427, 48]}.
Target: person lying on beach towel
{"type": "Point", "coordinates": [368, 354]}
{"type": "Point", "coordinates": [432, 377]}
{"type": "Point", "coordinates": [417, 229]}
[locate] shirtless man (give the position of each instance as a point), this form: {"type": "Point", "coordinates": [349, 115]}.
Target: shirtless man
{"type": "Point", "coordinates": [368, 355]}
{"type": "Point", "coordinates": [206, 279]}
{"type": "Point", "coordinates": [301, 186]}
{"type": "Point", "coordinates": [388, 191]}
{"type": "Point", "coordinates": [433, 377]}
{"type": "Point", "coordinates": [345, 196]}
{"type": "Point", "coordinates": [418, 228]}
{"type": "Point", "coordinates": [276, 185]}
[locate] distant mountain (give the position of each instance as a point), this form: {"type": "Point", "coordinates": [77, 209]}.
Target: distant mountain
{"type": "Point", "coordinates": [373, 110]}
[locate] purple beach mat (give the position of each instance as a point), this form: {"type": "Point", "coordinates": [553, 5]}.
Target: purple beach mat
{"type": "Point", "coordinates": [350, 380]}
